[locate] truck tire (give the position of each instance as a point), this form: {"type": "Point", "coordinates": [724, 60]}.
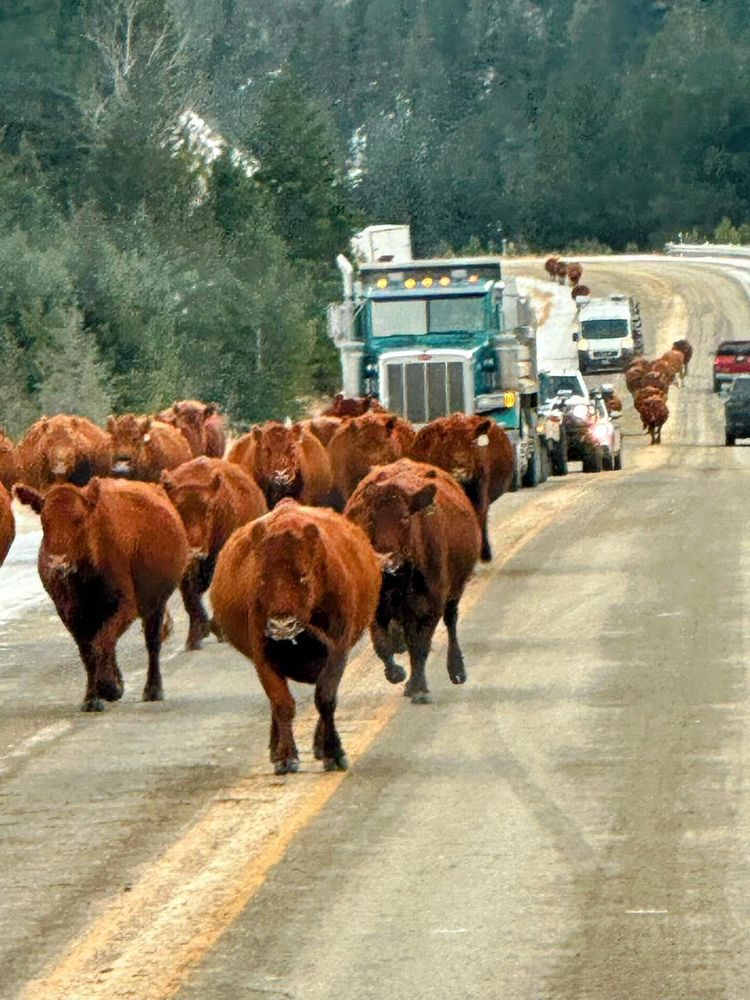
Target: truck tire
{"type": "Point", "coordinates": [728, 438]}
{"type": "Point", "coordinates": [533, 475]}
{"type": "Point", "coordinates": [592, 459]}
{"type": "Point", "coordinates": [717, 385]}
{"type": "Point", "coordinates": [608, 462]}
{"type": "Point", "coordinates": [559, 456]}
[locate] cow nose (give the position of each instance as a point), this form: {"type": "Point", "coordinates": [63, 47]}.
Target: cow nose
{"type": "Point", "coordinates": [392, 562]}
{"type": "Point", "coordinates": [198, 554]}
{"type": "Point", "coordinates": [59, 469]}
{"type": "Point", "coordinates": [284, 627]}
{"type": "Point", "coordinates": [282, 477]}
{"type": "Point", "coordinates": [59, 565]}
{"type": "Point", "coordinates": [460, 474]}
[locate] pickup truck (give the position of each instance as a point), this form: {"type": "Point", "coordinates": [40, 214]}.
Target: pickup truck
{"type": "Point", "coordinates": [732, 358]}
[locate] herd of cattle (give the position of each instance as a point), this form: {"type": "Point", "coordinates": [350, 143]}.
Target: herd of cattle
{"type": "Point", "coordinates": [649, 382]}
{"type": "Point", "coordinates": [560, 270]}
{"type": "Point", "coordinates": [306, 534]}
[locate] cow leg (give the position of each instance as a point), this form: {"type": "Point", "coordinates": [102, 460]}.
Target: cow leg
{"type": "Point", "coordinates": [456, 669]}
{"type": "Point", "coordinates": [419, 638]}
{"type": "Point", "coordinates": [152, 629]}
{"type": "Point", "coordinates": [283, 749]}
{"type": "Point", "coordinates": [486, 553]}
{"type": "Point", "coordinates": [383, 645]}
{"type": "Point", "coordinates": [216, 629]}
{"type": "Point", "coordinates": [109, 683]}
{"type": "Point", "coordinates": [199, 624]}
{"type": "Point", "coordinates": [91, 700]}
{"type": "Point", "coordinates": [327, 744]}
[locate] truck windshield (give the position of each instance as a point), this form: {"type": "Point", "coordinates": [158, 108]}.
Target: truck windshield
{"type": "Point", "coordinates": [550, 385]}
{"type": "Point", "coordinates": [604, 329]}
{"type": "Point", "coordinates": [395, 317]}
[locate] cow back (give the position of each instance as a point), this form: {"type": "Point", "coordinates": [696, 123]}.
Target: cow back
{"type": "Point", "coordinates": [63, 448]}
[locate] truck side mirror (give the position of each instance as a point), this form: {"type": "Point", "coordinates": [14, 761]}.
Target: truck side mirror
{"type": "Point", "coordinates": [576, 336]}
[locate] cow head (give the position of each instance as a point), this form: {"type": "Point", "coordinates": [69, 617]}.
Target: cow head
{"type": "Point", "coordinates": [373, 438]}
{"type": "Point", "coordinates": [190, 416]}
{"type": "Point", "coordinates": [294, 556]}
{"type": "Point", "coordinates": [61, 447]}
{"type": "Point", "coordinates": [65, 511]}
{"type": "Point", "coordinates": [196, 494]}
{"type": "Point", "coordinates": [129, 434]}
{"type": "Point", "coordinates": [386, 508]}
{"type": "Point", "coordinates": [277, 461]}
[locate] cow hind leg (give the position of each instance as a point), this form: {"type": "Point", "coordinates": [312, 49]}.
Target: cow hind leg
{"type": "Point", "coordinates": [153, 624]}
{"type": "Point", "coordinates": [200, 626]}
{"type": "Point", "coordinates": [420, 640]}
{"type": "Point", "coordinates": [486, 553]}
{"type": "Point", "coordinates": [327, 743]}
{"type": "Point", "coordinates": [456, 669]}
{"type": "Point", "coordinates": [383, 643]}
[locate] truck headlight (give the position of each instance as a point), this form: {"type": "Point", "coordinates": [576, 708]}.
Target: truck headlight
{"type": "Point", "coordinates": [583, 344]}
{"type": "Point", "coordinates": [627, 343]}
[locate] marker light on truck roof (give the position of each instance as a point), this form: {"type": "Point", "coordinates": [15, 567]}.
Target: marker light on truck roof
{"type": "Point", "coordinates": [427, 282]}
{"type": "Point", "coordinates": [509, 398]}
{"type": "Point", "coordinates": [410, 283]}
{"type": "Point", "coordinates": [445, 280]}
{"type": "Point", "coordinates": [473, 278]}
{"type": "Point", "coordinates": [382, 282]}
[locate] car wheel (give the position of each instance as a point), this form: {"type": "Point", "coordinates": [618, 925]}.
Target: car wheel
{"type": "Point", "coordinates": [618, 460]}
{"type": "Point", "coordinates": [592, 459]}
{"type": "Point", "coordinates": [608, 463]}
{"type": "Point", "coordinates": [728, 438]}
{"type": "Point", "coordinates": [559, 457]}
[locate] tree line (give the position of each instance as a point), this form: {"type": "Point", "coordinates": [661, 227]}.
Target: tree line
{"type": "Point", "coordinates": [177, 176]}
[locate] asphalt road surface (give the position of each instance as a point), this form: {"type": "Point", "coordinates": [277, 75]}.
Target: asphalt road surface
{"type": "Point", "coordinates": [572, 823]}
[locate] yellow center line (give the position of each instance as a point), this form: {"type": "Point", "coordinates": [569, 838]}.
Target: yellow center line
{"type": "Point", "coordinates": [144, 944]}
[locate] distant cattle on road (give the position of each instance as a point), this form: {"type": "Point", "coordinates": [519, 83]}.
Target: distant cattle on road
{"type": "Point", "coordinates": [143, 448]}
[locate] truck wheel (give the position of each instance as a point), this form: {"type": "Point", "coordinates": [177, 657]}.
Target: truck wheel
{"type": "Point", "coordinates": [592, 459]}
{"type": "Point", "coordinates": [728, 438]}
{"type": "Point", "coordinates": [608, 462]}
{"type": "Point", "coordinates": [559, 457]}
{"type": "Point", "coordinates": [533, 474]}
{"type": "Point", "coordinates": [717, 386]}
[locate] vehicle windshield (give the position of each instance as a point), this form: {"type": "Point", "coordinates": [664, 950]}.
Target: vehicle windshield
{"type": "Point", "coordinates": [734, 347]}
{"type": "Point", "coordinates": [604, 329]}
{"type": "Point", "coordinates": [741, 387]}
{"type": "Point", "coordinates": [417, 317]}
{"type": "Point", "coordinates": [550, 385]}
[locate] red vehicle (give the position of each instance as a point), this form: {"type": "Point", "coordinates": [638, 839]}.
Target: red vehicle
{"type": "Point", "coordinates": [732, 358]}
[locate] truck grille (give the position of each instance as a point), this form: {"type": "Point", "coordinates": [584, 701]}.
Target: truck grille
{"type": "Point", "coordinates": [423, 390]}
{"type": "Point", "coordinates": [606, 354]}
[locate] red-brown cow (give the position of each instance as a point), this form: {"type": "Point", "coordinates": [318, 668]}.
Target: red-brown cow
{"type": "Point", "coordinates": [213, 498]}
{"type": "Point", "coordinates": [294, 591]}
{"type": "Point", "coordinates": [580, 292]}
{"type": "Point", "coordinates": [423, 526]}
{"type": "Point", "coordinates": [636, 374]}
{"type": "Point", "coordinates": [575, 272]}
{"type": "Point", "coordinates": [550, 266]}
{"type": "Point", "coordinates": [561, 270]}
{"type": "Point", "coordinates": [674, 362]}
{"type": "Point", "coordinates": [352, 406]}
{"type": "Point", "coordinates": [323, 427]}
{"type": "Point", "coordinates": [363, 442]}
{"type": "Point", "coordinates": [686, 349]}
{"type": "Point", "coordinates": [189, 416]}
{"type": "Point", "coordinates": [477, 453]}
{"type": "Point", "coordinates": [8, 461]}
{"type": "Point", "coordinates": [285, 461]}
{"type": "Point", "coordinates": [7, 524]}
{"type": "Point", "coordinates": [112, 552]}
{"type": "Point", "coordinates": [654, 413]}
{"type": "Point", "coordinates": [216, 434]}
{"type": "Point", "coordinates": [143, 448]}
{"type": "Point", "coordinates": [63, 449]}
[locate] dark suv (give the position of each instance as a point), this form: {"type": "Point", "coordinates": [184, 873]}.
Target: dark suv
{"type": "Point", "coordinates": [732, 359]}
{"type": "Point", "coordinates": [737, 410]}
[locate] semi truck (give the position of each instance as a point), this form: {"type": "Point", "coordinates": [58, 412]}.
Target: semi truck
{"type": "Point", "coordinates": [432, 337]}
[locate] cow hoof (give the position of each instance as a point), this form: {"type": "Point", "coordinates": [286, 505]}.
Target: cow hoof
{"type": "Point", "coordinates": [457, 674]}
{"type": "Point", "coordinates": [421, 698]}
{"type": "Point", "coordinates": [338, 763]}
{"type": "Point", "coordinates": [216, 629]}
{"type": "Point", "coordinates": [486, 553]}
{"type": "Point", "coordinates": [395, 674]}
{"type": "Point", "coordinates": [153, 694]}
{"type": "Point", "coordinates": [109, 690]}
{"type": "Point", "coordinates": [192, 645]}
{"type": "Point", "coordinates": [286, 766]}
{"type": "Point", "coordinates": [93, 705]}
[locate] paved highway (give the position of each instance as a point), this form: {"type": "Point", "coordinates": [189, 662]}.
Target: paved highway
{"type": "Point", "coordinates": [570, 824]}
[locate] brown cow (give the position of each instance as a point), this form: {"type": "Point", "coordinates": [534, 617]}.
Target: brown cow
{"type": "Point", "coordinates": [477, 453]}
{"type": "Point", "coordinates": [654, 412]}
{"type": "Point", "coordinates": [63, 449]}
{"type": "Point", "coordinates": [323, 427]}
{"type": "Point", "coordinates": [7, 524]}
{"type": "Point", "coordinates": [561, 270]}
{"type": "Point", "coordinates": [216, 434]}
{"type": "Point", "coordinates": [635, 374]}
{"type": "Point", "coordinates": [686, 349]}
{"type": "Point", "coordinates": [112, 552]}
{"type": "Point", "coordinates": [285, 461]}
{"type": "Point", "coordinates": [550, 266]}
{"type": "Point", "coordinates": [575, 271]}
{"type": "Point", "coordinates": [580, 292]}
{"type": "Point", "coordinates": [674, 361]}
{"type": "Point", "coordinates": [213, 498]}
{"type": "Point", "coordinates": [143, 448]}
{"type": "Point", "coordinates": [8, 461]}
{"type": "Point", "coordinates": [294, 591]}
{"type": "Point", "coordinates": [352, 406]}
{"type": "Point", "coordinates": [363, 442]}
{"type": "Point", "coordinates": [189, 416]}
{"type": "Point", "coordinates": [420, 521]}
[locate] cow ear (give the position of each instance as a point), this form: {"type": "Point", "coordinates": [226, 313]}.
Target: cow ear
{"type": "Point", "coordinates": [482, 427]}
{"type": "Point", "coordinates": [167, 482]}
{"type": "Point", "coordinates": [145, 426]}
{"type": "Point", "coordinates": [25, 495]}
{"type": "Point", "coordinates": [94, 491]}
{"type": "Point", "coordinates": [209, 409]}
{"type": "Point", "coordinates": [257, 434]}
{"type": "Point", "coordinates": [217, 481]}
{"type": "Point", "coordinates": [257, 532]}
{"type": "Point", "coordinates": [111, 424]}
{"type": "Point", "coordinates": [390, 424]}
{"type": "Point", "coordinates": [297, 430]}
{"type": "Point", "coordinates": [422, 498]}
{"type": "Point", "coordinates": [310, 535]}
